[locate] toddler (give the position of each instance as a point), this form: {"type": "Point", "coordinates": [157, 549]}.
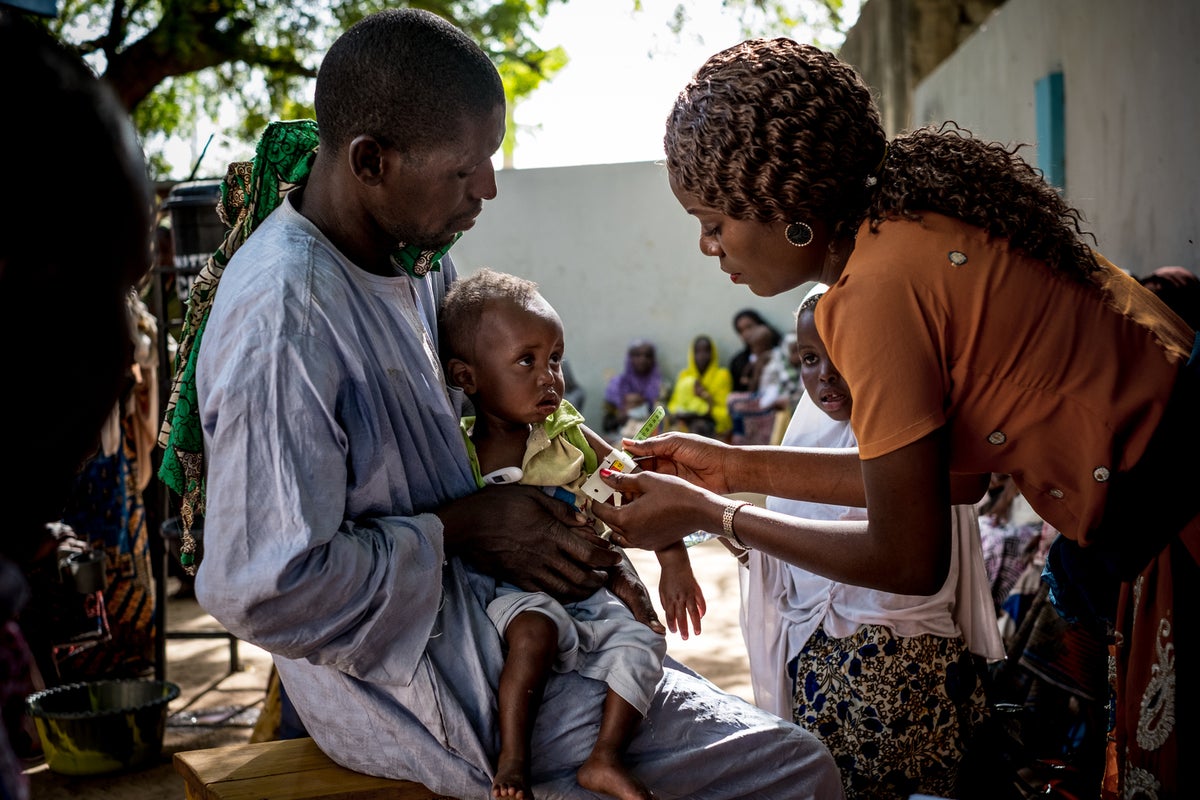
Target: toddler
{"type": "Point", "coordinates": [504, 348]}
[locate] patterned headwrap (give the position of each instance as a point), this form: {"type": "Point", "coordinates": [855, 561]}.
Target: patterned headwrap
{"type": "Point", "coordinates": [249, 193]}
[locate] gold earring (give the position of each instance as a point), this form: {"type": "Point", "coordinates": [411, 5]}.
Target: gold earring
{"type": "Point", "coordinates": [799, 234]}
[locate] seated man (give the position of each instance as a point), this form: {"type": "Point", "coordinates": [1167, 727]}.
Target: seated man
{"type": "Point", "coordinates": [343, 529]}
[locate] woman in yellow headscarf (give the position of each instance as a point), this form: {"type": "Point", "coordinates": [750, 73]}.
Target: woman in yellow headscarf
{"type": "Point", "coordinates": [698, 400]}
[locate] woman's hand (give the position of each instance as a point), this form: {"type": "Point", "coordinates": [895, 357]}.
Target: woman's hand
{"type": "Point", "coordinates": [657, 510]}
{"type": "Point", "coordinates": [697, 459]}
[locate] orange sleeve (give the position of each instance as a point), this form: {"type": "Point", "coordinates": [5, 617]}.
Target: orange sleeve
{"type": "Point", "coordinates": [889, 350]}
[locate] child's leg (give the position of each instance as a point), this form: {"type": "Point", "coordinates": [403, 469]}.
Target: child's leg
{"type": "Point", "coordinates": [532, 645]}
{"type": "Point", "coordinates": [605, 771]}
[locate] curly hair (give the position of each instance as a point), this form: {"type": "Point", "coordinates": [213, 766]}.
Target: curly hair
{"type": "Point", "coordinates": [776, 131]}
{"type": "Point", "coordinates": [462, 309]}
{"type": "Point", "coordinates": [395, 74]}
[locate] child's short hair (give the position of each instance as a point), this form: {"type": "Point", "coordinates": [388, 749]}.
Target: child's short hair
{"type": "Point", "coordinates": [462, 308]}
{"type": "Point", "coordinates": [808, 304]}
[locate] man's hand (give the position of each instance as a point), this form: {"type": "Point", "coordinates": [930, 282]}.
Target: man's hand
{"type": "Point", "coordinates": [523, 536]}
{"type": "Point", "coordinates": [627, 585]}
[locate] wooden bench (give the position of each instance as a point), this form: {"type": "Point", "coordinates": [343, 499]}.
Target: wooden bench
{"type": "Point", "coordinates": [289, 769]}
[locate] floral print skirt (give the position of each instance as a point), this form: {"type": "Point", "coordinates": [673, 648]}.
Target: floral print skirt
{"type": "Point", "coordinates": [895, 712]}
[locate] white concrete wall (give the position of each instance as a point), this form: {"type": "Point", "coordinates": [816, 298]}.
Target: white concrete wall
{"type": "Point", "coordinates": [1131, 86]}
{"type": "Point", "coordinates": [617, 257]}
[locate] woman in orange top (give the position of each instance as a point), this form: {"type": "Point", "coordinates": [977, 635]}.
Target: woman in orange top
{"type": "Point", "coordinates": [980, 334]}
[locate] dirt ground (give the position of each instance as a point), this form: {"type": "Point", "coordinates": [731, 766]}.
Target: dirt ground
{"type": "Point", "coordinates": [210, 692]}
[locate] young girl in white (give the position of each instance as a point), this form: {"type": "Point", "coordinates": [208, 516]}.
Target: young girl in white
{"type": "Point", "coordinates": [887, 681]}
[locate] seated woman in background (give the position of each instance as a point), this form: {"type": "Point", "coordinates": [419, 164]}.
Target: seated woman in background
{"type": "Point", "coordinates": [699, 399]}
{"type": "Point", "coordinates": [1008, 529]}
{"type": "Point", "coordinates": [1179, 288]}
{"type": "Point", "coordinates": [745, 322]}
{"type": "Point", "coordinates": [631, 395]}
{"type": "Point", "coordinates": [754, 409]}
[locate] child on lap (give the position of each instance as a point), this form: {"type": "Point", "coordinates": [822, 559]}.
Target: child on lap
{"type": "Point", "coordinates": [504, 348]}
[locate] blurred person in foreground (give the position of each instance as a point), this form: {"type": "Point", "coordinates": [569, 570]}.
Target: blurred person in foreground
{"type": "Point", "coordinates": [64, 128]}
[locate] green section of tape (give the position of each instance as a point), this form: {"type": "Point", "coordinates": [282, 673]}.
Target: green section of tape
{"type": "Point", "coordinates": [651, 424]}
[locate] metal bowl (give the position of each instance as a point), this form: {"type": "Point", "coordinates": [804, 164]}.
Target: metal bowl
{"type": "Point", "coordinates": [97, 727]}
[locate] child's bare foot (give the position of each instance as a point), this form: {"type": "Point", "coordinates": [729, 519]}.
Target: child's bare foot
{"type": "Point", "coordinates": [511, 780]}
{"type": "Point", "coordinates": [609, 776]}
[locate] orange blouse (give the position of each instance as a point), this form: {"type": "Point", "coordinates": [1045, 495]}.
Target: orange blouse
{"type": "Point", "coordinates": [1056, 382]}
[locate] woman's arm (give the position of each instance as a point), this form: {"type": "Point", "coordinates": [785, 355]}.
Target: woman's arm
{"type": "Point", "coordinates": [903, 547]}
{"type": "Point", "coordinates": [815, 474]}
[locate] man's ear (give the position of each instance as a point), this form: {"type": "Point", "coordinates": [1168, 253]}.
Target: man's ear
{"type": "Point", "coordinates": [367, 159]}
{"type": "Point", "coordinates": [461, 375]}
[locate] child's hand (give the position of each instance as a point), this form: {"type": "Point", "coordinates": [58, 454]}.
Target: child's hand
{"type": "Point", "coordinates": [681, 597]}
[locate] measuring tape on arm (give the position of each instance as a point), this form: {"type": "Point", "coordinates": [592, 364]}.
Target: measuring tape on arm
{"type": "Point", "coordinates": [620, 461]}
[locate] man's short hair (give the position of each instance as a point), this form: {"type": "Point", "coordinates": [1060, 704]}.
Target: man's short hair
{"type": "Point", "coordinates": [398, 75]}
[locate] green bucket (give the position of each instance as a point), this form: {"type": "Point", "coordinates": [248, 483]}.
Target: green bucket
{"type": "Point", "coordinates": [97, 727]}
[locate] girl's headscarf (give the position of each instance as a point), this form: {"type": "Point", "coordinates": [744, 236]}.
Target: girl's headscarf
{"type": "Point", "coordinates": [630, 382]}
{"type": "Point", "coordinates": [249, 193]}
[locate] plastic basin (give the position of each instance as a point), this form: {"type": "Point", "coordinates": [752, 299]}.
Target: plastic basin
{"type": "Point", "coordinates": [97, 727]}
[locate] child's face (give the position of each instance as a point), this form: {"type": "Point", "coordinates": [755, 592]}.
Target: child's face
{"type": "Point", "coordinates": [518, 362]}
{"type": "Point", "coordinates": [821, 379]}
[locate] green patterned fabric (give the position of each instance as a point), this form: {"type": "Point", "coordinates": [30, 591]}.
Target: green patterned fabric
{"type": "Point", "coordinates": [249, 193]}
